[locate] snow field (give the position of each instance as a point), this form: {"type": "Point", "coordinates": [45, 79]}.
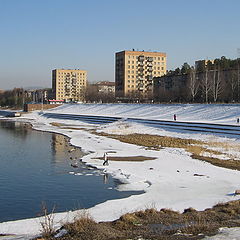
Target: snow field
{"type": "Point", "coordinates": [167, 182]}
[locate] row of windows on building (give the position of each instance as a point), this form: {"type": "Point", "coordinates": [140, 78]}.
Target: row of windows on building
{"type": "Point", "coordinates": [61, 94]}
{"type": "Point", "coordinates": [129, 81]}
{"type": "Point", "coordinates": [154, 58]}
{"type": "Point", "coordinates": [132, 86]}
{"type": "Point", "coordinates": [66, 78]}
{"type": "Point", "coordinates": [134, 90]}
{"type": "Point", "coordinates": [129, 86]}
{"type": "Point", "coordinates": [61, 88]}
{"type": "Point", "coordinates": [129, 67]}
{"type": "Point", "coordinates": [68, 74]}
{"type": "Point", "coordinates": [155, 72]}
{"type": "Point", "coordinates": [79, 83]}
{"type": "Point", "coordinates": [154, 63]}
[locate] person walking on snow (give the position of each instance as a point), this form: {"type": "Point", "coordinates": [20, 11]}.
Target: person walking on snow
{"type": "Point", "coordinates": [105, 157]}
{"type": "Point", "coordinates": [174, 117]}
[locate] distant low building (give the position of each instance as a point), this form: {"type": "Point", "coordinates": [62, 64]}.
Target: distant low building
{"type": "Point", "coordinates": [169, 88]}
{"type": "Point", "coordinates": [101, 92]}
{"type": "Point", "coordinates": [55, 101]}
{"type": "Point", "coordinates": [1, 91]}
{"type": "Point", "coordinates": [105, 87]}
{"type": "Point", "coordinates": [38, 95]}
{"type": "Point", "coordinates": [28, 107]}
{"type": "Point", "coordinates": [201, 64]}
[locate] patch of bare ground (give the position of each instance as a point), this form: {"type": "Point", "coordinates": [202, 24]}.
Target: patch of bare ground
{"type": "Point", "coordinates": [129, 159]}
{"type": "Point", "coordinates": [65, 126]}
{"type": "Point", "coordinates": [153, 224]}
{"type": "Point", "coordinates": [56, 124]}
{"type": "Point", "coordinates": [197, 148]}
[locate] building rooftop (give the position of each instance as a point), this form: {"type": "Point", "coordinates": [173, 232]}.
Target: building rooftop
{"type": "Point", "coordinates": [142, 52]}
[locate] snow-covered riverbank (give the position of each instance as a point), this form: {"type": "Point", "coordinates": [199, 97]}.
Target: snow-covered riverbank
{"type": "Point", "coordinates": [170, 181]}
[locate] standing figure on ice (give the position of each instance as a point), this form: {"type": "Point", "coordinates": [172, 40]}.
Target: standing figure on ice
{"type": "Point", "coordinates": [174, 117]}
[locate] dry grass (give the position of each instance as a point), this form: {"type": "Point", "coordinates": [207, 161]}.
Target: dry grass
{"type": "Point", "coordinates": [65, 126]}
{"type": "Point", "coordinates": [154, 224]}
{"type": "Point", "coordinates": [197, 148]}
{"type": "Point", "coordinates": [85, 228]}
{"type": "Point", "coordinates": [47, 221]}
{"type": "Point", "coordinates": [55, 124]}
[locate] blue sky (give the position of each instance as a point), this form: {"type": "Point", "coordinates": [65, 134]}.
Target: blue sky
{"type": "Point", "coordinates": [37, 36]}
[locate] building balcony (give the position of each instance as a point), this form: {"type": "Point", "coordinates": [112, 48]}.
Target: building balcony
{"type": "Point", "coordinates": [141, 58]}
{"type": "Point", "coordinates": [150, 78]}
{"type": "Point", "coordinates": [150, 59]}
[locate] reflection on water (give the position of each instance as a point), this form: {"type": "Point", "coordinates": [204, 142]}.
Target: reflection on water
{"type": "Point", "coordinates": [38, 167]}
{"type": "Point", "coordinates": [20, 129]}
{"type": "Point", "coordinates": [105, 178]}
{"type": "Point", "coordinates": [63, 150]}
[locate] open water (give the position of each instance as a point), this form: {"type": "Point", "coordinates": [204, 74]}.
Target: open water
{"type": "Point", "coordinates": [35, 170]}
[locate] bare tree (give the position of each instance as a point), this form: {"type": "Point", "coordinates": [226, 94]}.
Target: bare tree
{"type": "Point", "coordinates": [206, 85]}
{"type": "Point", "coordinates": [91, 93]}
{"type": "Point", "coordinates": [193, 83]}
{"type": "Point", "coordinates": [238, 80]}
{"type": "Point", "coordinates": [233, 84]}
{"type": "Point", "coordinates": [238, 74]}
{"type": "Point", "coordinates": [216, 84]}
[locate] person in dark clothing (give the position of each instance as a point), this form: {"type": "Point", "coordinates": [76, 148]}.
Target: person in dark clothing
{"type": "Point", "coordinates": [105, 159]}
{"type": "Point", "coordinates": [174, 117]}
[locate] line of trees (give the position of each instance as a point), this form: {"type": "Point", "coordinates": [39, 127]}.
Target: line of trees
{"type": "Point", "coordinates": [13, 98]}
{"type": "Point", "coordinates": [17, 97]}
{"type": "Point", "coordinates": [212, 81]}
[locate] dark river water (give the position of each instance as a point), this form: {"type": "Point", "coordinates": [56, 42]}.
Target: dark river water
{"type": "Point", "coordinates": [35, 170]}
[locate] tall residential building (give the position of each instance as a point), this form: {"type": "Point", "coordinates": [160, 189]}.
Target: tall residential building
{"type": "Point", "coordinates": [69, 85]}
{"type": "Point", "coordinates": [134, 73]}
